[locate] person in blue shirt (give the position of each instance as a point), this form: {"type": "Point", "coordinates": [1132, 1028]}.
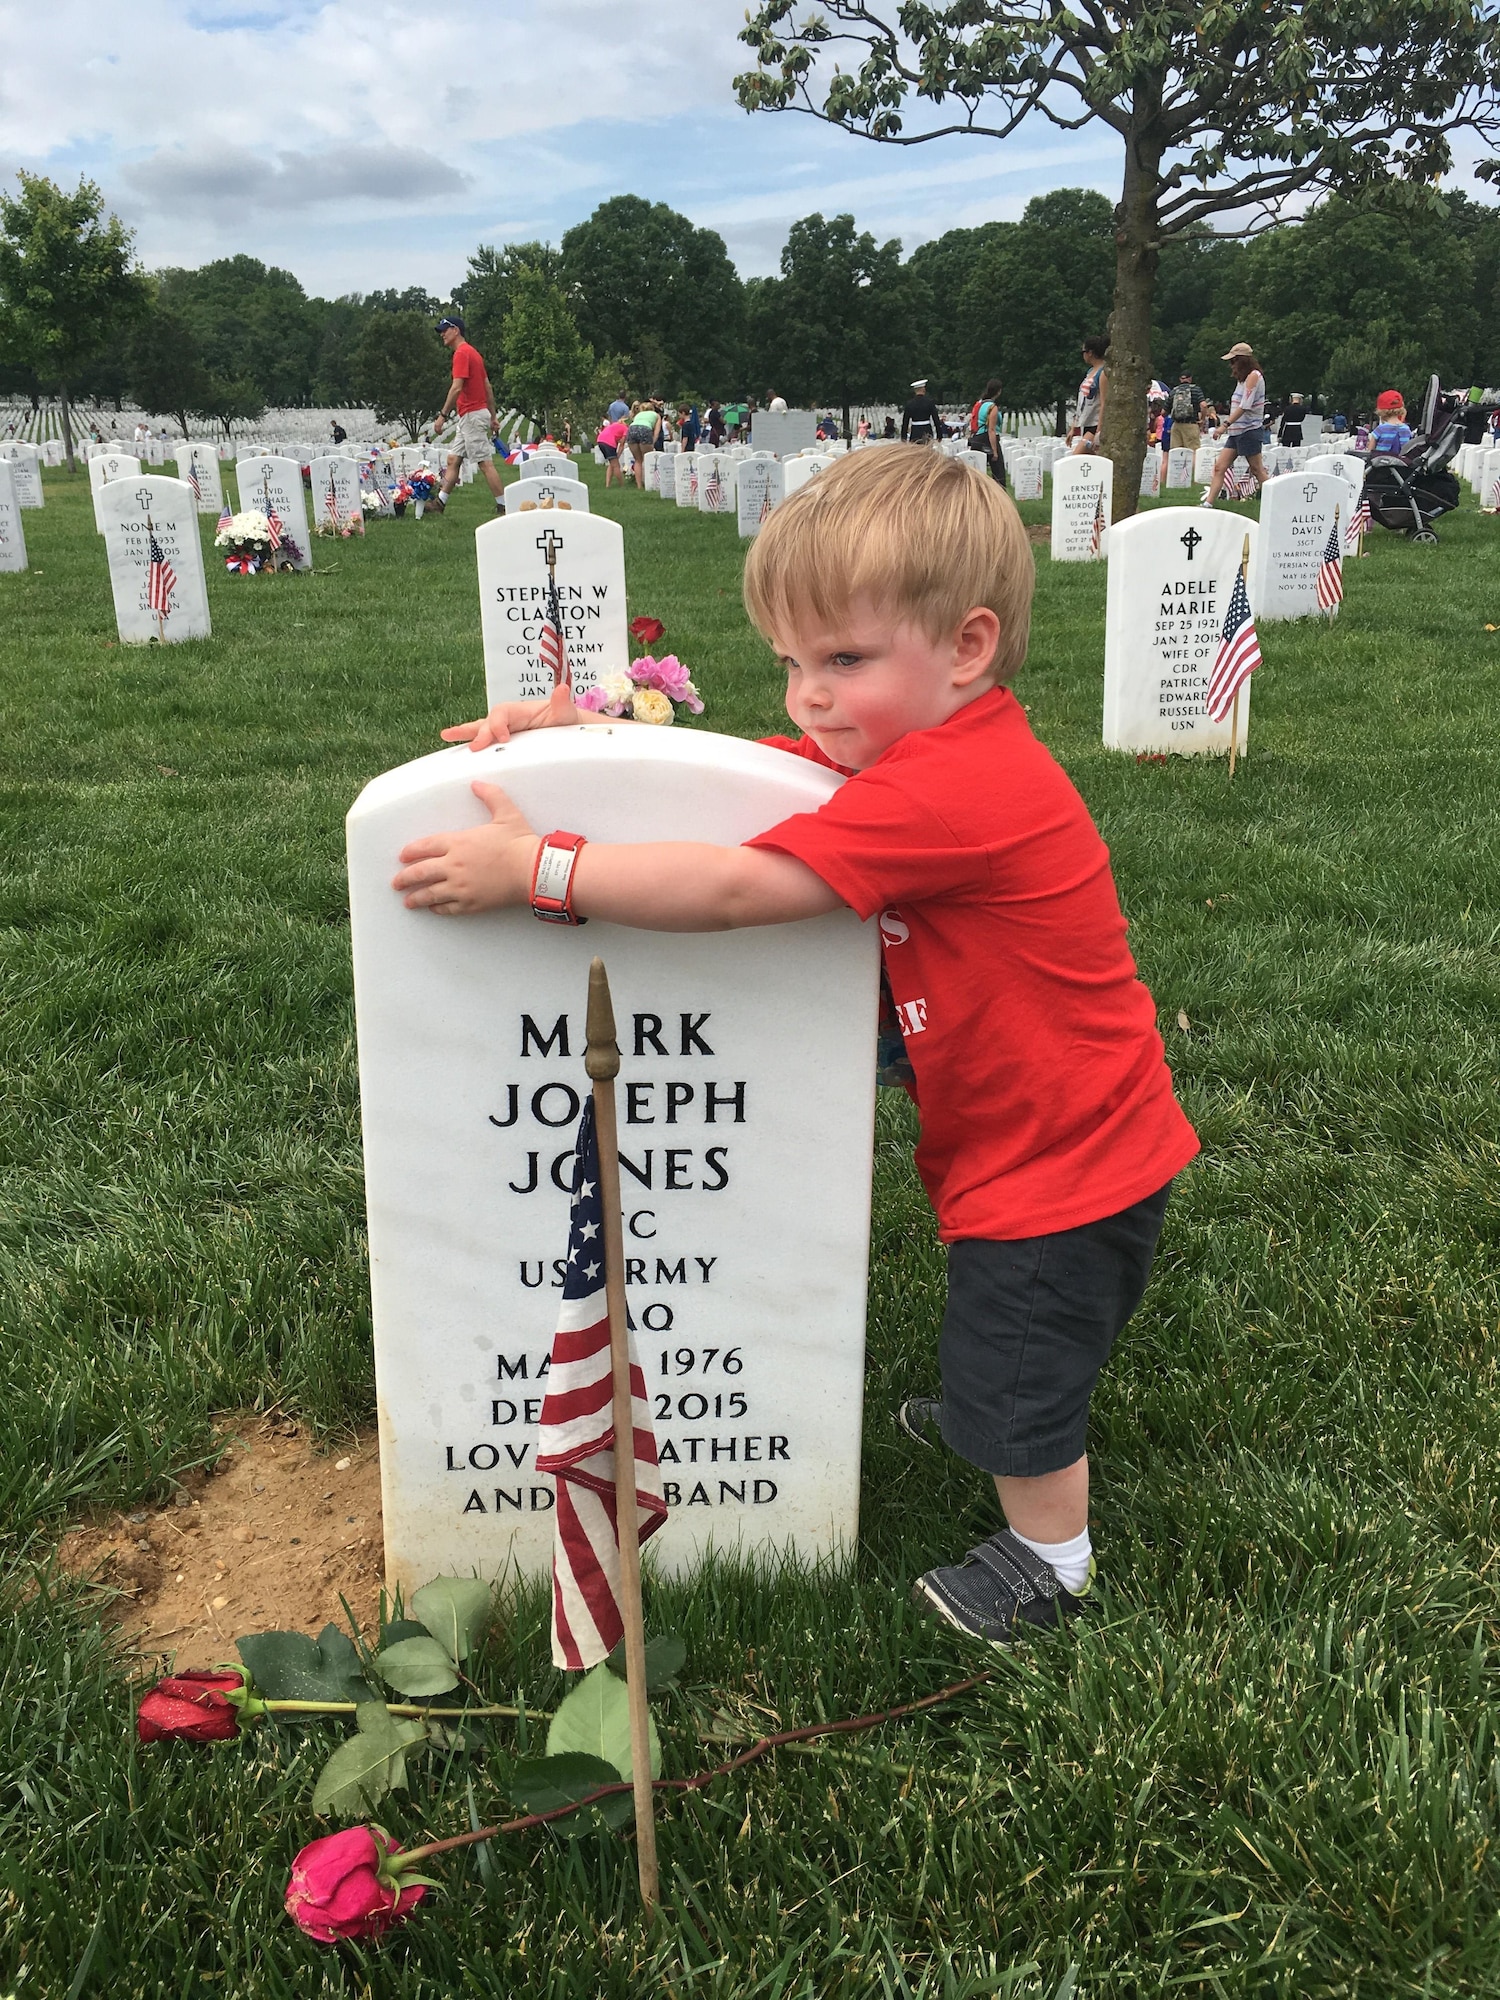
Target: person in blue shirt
{"type": "Point", "coordinates": [1392, 433]}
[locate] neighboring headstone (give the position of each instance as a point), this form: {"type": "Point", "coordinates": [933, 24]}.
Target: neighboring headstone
{"type": "Point", "coordinates": [799, 470]}
{"type": "Point", "coordinates": [716, 483]}
{"type": "Point", "coordinates": [571, 495]}
{"type": "Point", "coordinates": [1343, 465]}
{"type": "Point", "coordinates": [150, 528]}
{"type": "Point", "coordinates": [334, 491]}
{"type": "Point", "coordinates": [1170, 576]}
{"type": "Point", "coordinates": [26, 472]}
{"type": "Point", "coordinates": [1025, 471]}
{"type": "Point", "coordinates": [746, 1103]}
{"type": "Point", "coordinates": [783, 431]}
{"type": "Point", "coordinates": [12, 533]}
{"type": "Point", "coordinates": [1179, 468]}
{"type": "Point", "coordinates": [548, 465]}
{"type": "Point", "coordinates": [198, 465]}
{"type": "Point", "coordinates": [1312, 428]}
{"type": "Point", "coordinates": [1082, 497]}
{"type": "Point", "coordinates": [1296, 514]}
{"type": "Point", "coordinates": [1150, 474]}
{"type": "Point", "coordinates": [1203, 463]}
{"type": "Point", "coordinates": [270, 481]}
{"type": "Point", "coordinates": [53, 453]}
{"type": "Point", "coordinates": [589, 552]}
{"type": "Point", "coordinates": [107, 466]}
{"type": "Point", "coordinates": [1489, 480]}
{"type": "Point", "coordinates": [760, 488]}
{"type": "Point", "coordinates": [685, 479]}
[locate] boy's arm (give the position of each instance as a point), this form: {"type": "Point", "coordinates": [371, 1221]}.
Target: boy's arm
{"type": "Point", "coordinates": [656, 886]}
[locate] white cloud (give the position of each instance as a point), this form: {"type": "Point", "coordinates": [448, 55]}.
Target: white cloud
{"type": "Point", "coordinates": [174, 182]}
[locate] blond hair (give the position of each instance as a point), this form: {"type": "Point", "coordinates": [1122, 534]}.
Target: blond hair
{"type": "Point", "coordinates": [920, 535]}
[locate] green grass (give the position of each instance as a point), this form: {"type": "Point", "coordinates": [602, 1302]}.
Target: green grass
{"type": "Point", "coordinates": [1268, 1768]}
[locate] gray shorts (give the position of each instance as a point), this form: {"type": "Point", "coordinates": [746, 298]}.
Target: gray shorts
{"type": "Point", "coordinates": [473, 440]}
{"type": "Point", "coordinates": [1028, 1327]}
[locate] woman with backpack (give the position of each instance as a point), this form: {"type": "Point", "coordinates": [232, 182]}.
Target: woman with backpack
{"type": "Point", "coordinates": [984, 430]}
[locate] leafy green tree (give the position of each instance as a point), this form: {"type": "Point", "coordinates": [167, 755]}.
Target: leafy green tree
{"type": "Point", "coordinates": [650, 285]}
{"type": "Point", "coordinates": [400, 369]}
{"type": "Point", "coordinates": [1221, 107]}
{"type": "Point", "coordinates": [940, 269]}
{"type": "Point", "coordinates": [485, 295]}
{"type": "Point", "coordinates": [229, 400]}
{"type": "Point", "coordinates": [343, 321]}
{"type": "Point", "coordinates": [68, 290]}
{"type": "Point", "coordinates": [547, 362]}
{"type": "Point", "coordinates": [1034, 293]}
{"type": "Point", "coordinates": [1193, 271]}
{"type": "Point", "coordinates": [842, 328]}
{"type": "Point", "coordinates": [164, 369]}
{"type": "Point", "coordinates": [253, 323]}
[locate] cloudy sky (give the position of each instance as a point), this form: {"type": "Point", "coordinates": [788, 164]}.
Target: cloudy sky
{"type": "Point", "coordinates": [364, 143]}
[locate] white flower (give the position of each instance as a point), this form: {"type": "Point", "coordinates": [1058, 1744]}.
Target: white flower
{"type": "Point", "coordinates": [617, 690]}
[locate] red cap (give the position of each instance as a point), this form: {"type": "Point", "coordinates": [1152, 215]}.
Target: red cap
{"type": "Point", "coordinates": [1390, 399]}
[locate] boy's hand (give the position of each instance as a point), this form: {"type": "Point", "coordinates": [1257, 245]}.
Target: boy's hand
{"type": "Point", "coordinates": [476, 868]}
{"type": "Point", "coordinates": [512, 718]}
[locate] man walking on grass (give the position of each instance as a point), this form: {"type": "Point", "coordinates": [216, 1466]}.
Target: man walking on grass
{"type": "Point", "coordinates": [470, 394]}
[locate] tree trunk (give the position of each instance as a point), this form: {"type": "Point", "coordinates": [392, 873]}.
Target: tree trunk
{"type": "Point", "coordinates": [848, 425]}
{"type": "Point", "coordinates": [1122, 435]}
{"type": "Point", "coordinates": [67, 424]}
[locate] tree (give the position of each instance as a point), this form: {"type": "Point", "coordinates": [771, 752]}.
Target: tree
{"type": "Point", "coordinates": [842, 329]}
{"type": "Point", "coordinates": [400, 369]}
{"type": "Point", "coordinates": [649, 285]}
{"type": "Point", "coordinates": [1222, 107]}
{"type": "Point", "coordinates": [939, 272]}
{"type": "Point", "coordinates": [253, 323]}
{"type": "Point", "coordinates": [1036, 291]}
{"type": "Point", "coordinates": [229, 400]}
{"type": "Point", "coordinates": [67, 286]}
{"type": "Point", "coordinates": [164, 368]}
{"type": "Point", "coordinates": [546, 361]}
{"type": "Point", "coordinates": [486, 293]}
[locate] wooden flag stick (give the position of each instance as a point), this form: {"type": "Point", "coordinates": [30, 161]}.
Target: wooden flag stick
{"type": "Point", "coordinates": [1234, 732]}
{"type": "Point", "coordinates": [602, 1061]}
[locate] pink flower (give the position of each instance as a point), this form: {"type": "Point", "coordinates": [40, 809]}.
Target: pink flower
{"type": "Point", "coordinates": [593, 699]}
{"type": "Point", "coordinates": [344, 1886]}
{"type": "Point", "coordinates": [192, 1707]}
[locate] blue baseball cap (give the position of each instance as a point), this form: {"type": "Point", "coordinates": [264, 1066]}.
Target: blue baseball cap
{"type": "Point", "coordinates": [444, 324]}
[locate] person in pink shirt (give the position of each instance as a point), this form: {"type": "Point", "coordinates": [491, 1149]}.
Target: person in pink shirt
{"type": "Point", "coordinates": [609, 440]}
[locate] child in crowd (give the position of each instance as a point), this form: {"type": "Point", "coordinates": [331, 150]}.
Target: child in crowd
{"type": "Point", "coordinates": [896, 590]}
{"type": "Point", "coordinates": [1392, 433]}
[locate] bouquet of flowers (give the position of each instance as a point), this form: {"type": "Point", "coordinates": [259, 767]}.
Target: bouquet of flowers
{"type": "Point", "coordinates": [648, 691]}
{"type": "Point", "coordinates": [401, 493]}
{"type": "Point", "coordinates": [246, 540]}
{"type": "Point", "coordinates": [421, 485]}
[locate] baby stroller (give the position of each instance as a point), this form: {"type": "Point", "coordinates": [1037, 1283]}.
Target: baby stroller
{"type": "Point", "coordinates": [1409, 493]}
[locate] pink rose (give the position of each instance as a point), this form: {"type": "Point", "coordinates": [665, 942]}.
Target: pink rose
{"type": "Point", "coordinates": [593, 699]}
{"type": "Point", "coordinates": [343, 1886]}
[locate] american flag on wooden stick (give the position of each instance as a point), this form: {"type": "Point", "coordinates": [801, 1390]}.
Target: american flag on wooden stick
{"type": "Point", "coordinates": [225, 517]}
{"type": "Point", "coordinates": [161, 578]}
{"type": "Point", "coordinates": [713, 490]}
{"type": "Point", "coordinates": [576, 1440]}
{"type": "Point", "coordinates": [1238, 655]}
{"type": "Point", "coordinates": [192, 478]}
{"type": "Point", "coordinates": [1331, 570]}
{"type": "Point", "coordinates": [1359, 524]}
{"type": "Point", "coordinates": [550, 647]}
{"type": "Point", "coordinates": [1096, 533]}
{"type": "Point", "coordinates": [273, 526]}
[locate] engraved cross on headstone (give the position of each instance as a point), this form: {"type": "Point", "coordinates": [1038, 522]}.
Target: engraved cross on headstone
{"type": "Point", "coordinates": [1310, 492]}
{"type": "Point", "coordinates": [549, 542]}
{"type": "Point", "coordinates": [1190, 541]}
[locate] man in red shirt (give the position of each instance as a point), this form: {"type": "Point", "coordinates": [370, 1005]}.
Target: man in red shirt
{"type": "Point", "coordinates": [471, 395]}
{"type": "Point", "coordinates": [897, 591]}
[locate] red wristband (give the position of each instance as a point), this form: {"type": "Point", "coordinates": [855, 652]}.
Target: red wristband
{"type": "Point", "coordinates": [552, 879]}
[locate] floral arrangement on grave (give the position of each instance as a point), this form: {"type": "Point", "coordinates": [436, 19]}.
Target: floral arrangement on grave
{"type": "Point", "coordinates": [649, 690]}
{"type": "Point", "coordinates": [421, 485]}
{"type": "Point", "coordinates": [332, 522]}
{"type": "Point", "coordinates": [246, 541]}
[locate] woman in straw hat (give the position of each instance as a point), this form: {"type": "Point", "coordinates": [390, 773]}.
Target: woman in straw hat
{"type": "Point", "coordinates": [1246, 435]}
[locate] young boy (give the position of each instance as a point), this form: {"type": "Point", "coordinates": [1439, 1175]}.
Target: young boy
{"type": "Point", "coordinates": [896, 590]}
{"type": "Point", "coordinates": [1392, 433]}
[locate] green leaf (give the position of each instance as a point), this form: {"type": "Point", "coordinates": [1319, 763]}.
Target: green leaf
{"type": "Point", "coordinates": [417, 1667]}
{"type": "Point", "coordinates": [361, 1771]}
{"type": "Point", "coordinates": [401, 1628]}
{"type": "Point", "coordinates": [595, 1721]}
{"type": "Point", "coordinates": [542, 1784]}
{"type": "Point", "coordinates": [454, 1609]}
{"type": "Point", "coordinates": [288, 1666]}
{"type": "Point", "coordinates": [665, 1655]}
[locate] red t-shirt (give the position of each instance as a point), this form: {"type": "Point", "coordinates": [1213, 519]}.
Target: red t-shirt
{"type": "Point", "coordinates": [1042, 1082]}
{"type": "Point", "coordinates": [468, 365]}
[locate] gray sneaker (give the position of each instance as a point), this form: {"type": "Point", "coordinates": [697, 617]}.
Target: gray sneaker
{"type": "Point", "coordinates": [921, 1419]}
{"type": "Point", "coordinates": [998, 1586]}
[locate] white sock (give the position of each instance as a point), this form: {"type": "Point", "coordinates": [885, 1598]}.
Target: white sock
{"type": "Point", "coordinates": [1070, 1559]}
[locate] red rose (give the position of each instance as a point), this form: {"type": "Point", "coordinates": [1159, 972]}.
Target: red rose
{"type": "Point", "coordinates": [343, 1886]}
{"type": "Point", "coordinates": [646, 630]}
{"type": "Point", "coordinates": [191, 1707]}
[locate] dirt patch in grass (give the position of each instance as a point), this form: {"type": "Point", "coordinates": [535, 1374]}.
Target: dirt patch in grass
{"type": "Point", "coordinates": [1038, 532]}
{"type": "Point", "coordinates": [268, 1540]}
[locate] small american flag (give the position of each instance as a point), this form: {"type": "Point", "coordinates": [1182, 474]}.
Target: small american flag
{"type": "Point", "coordinates": [273, 526]}
{"type": "Point", "coordinates": [192, 472]}
{"type": "Point", "coordinates": [713, 491]}
{"type": "Point", "coordinates": [1331, 570]}
{"type": "Point", "coordinates": [1238, 655]}
{"type": "Point", "coordinates": [550, 647]}
{"type": "Point", "coordinates": [576, 1440]}
{"type": "Point", "coordinates": [1359, 524]}
{"type": "Point", "coordinates": [225, 517]}
{"type": "Point", "coordinates": [161, 578]}
{"type": "Point", "coordinates": [1096, 533]}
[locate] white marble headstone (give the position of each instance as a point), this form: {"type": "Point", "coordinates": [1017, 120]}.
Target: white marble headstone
{"type": "Point", "coordinates": [382, 475]}
{"type": "Point", "coordinates": [1082, 485]}
{"type": "Point", "coordinates": [26, 471]}
{"type": "Point", "coordinates": [571, 495]}
{"type": "Point", "coordinates": [1312, 427]}
{"type": "Point", "coordinates": [1343, 465]}
{"type": "Point", "coordinates": [334, 490]}
{"type": "Point", "coordinates": [799, 470]}
{"type": "Point", "coordinates": [589, 552]}
{"type": "Point", "coordinates": [12, 533]}
{"type": "Point", "coordinates": [1151, 469]}
{"type": "Point", "coordinates": [52, 452]}
{"type": "Point", "coordinates": [746, 1101]}
{"type": "Point", "coordinates": [151, 523]}
{"type": "Point", "coordinates": [1025, 470]}
{"type": "Point", "coordinates": [685, 479]}
{"type": "Point", "coordinates": [1203, 463]}
{"type": "Point", "coordinates": [716, 483]}
{"type": "Point", "coordinates": [199, 463]}
{"type": "Point", "coordinates": [107, 466]}
{"type": "Point", "coordinates": [1179, 468]}
{"type": "Point", "coordinates": [1170, 576]}
{"type": "Point", "coordinates": [1489, 480]}
{"type": "Point", "coordinates": [760, 489]}
{"type": "Point", "coordinates": [1296, 515]}
{"type": "Point", "coordinates": [270, 481]}
{"type": "Point", "coordinates": [548, 465]}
